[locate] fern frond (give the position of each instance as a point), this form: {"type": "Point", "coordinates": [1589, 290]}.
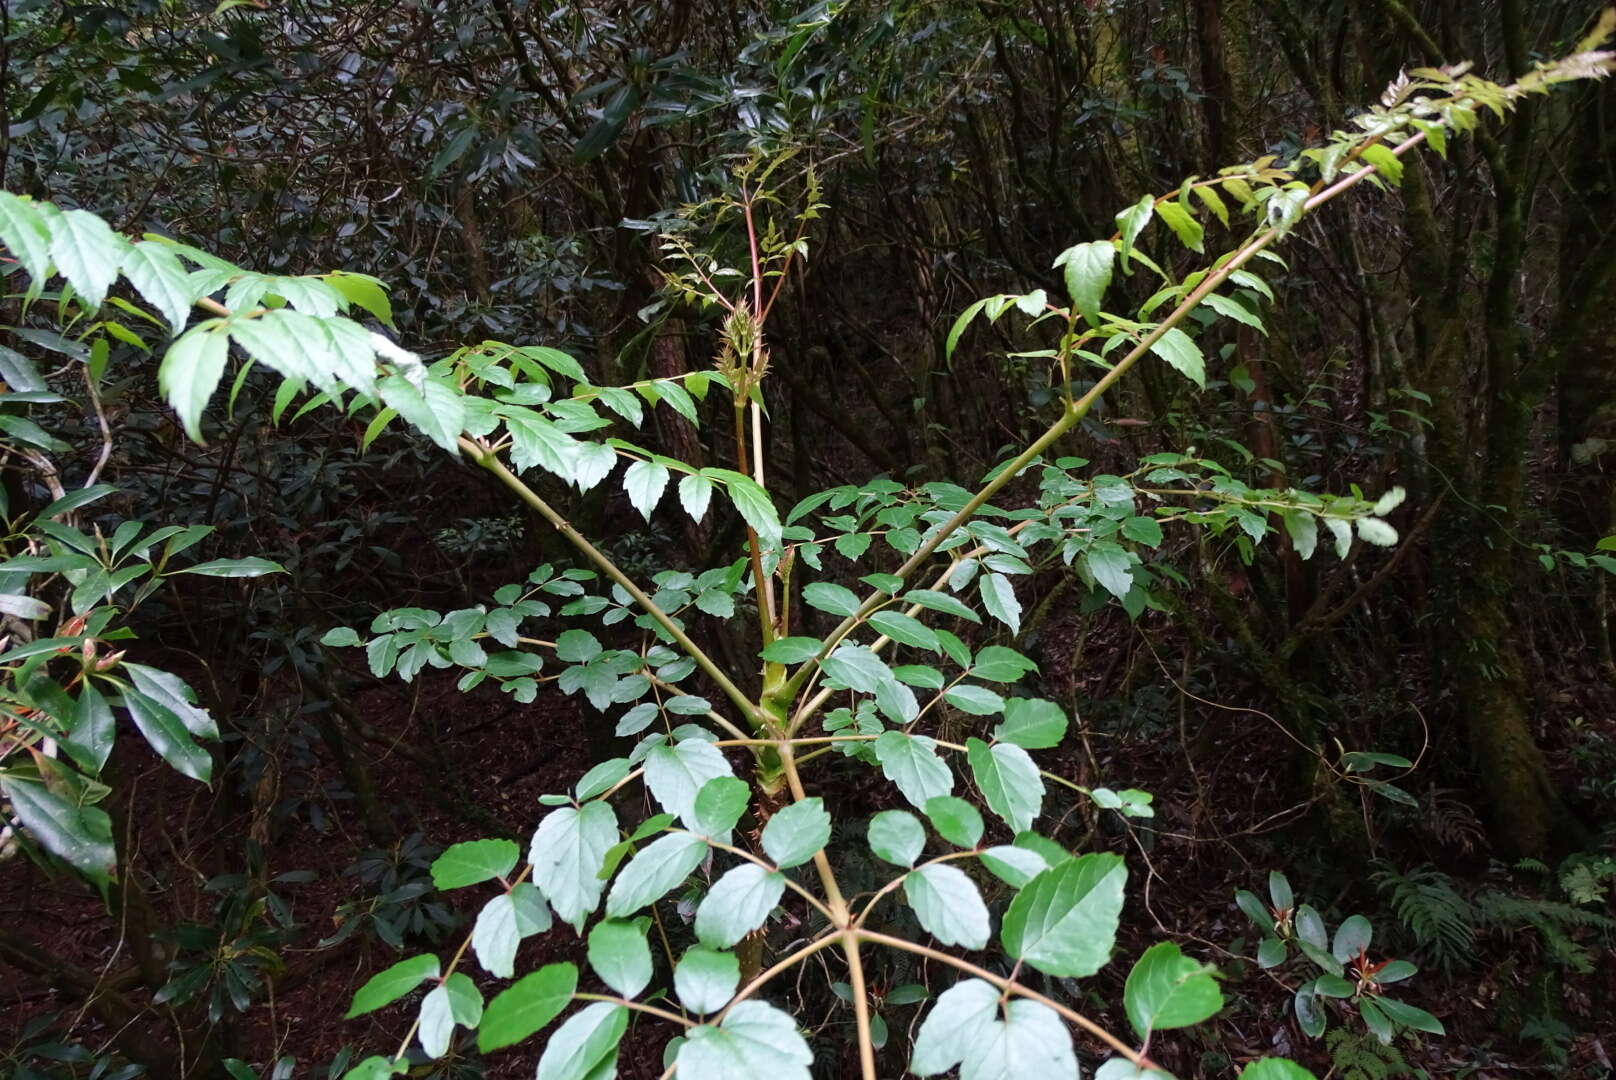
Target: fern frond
{"type": "Point", "coordinates": [1442, 922]}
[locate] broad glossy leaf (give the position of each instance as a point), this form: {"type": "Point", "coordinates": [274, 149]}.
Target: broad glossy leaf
{"type": "Point", "coordinates": [796, 832]}
{"type": "Point", "coordinates": [473, 862]}
{"type": "Point", "coordinates": [585, 1047]}
{"type": "Point", "coordinates": [1166, 989]}
{"type": "Point", "coordinates": [1376, 1021]}
{"type": "Point", "coordinates": [1009, 781]}
{"type": "Point", "coordinates": [754, 1041]}
{"type": "Point", "coordinates": [1064, 922]}
{"type": "Point", "coordinates": [1352, 937]}
{"type": "Point", "coordinates": [94, 729]}
{"type": "Point", "coordinates": [948, 905]}
{"type": "Point", "coordinates": [897, 837]}
{"type": "Point", "coordinates": [1310, 927]}
{"type": "Point", "coordinates": [569, 848]}
{"type": "Point", "coordinates": [911, 762]}
{"type": "Point", "coordinates": [738, 903]}
{"type": "Point", "coordinates": [386, 987]}
{"type": "Point", "coordinates": [1309, 1013]}
{"type": "Point", "coordinates": [168, 736]}
{"type": "Point", "coordinates": [1410, 1016]}
{"type": "Point", "coordinates": [705, 979]}
{"type": "Point", "coordinates": [526, 1006]}
{"type": "Point", "coordinates": [79, 835]}
{"type": "Point", "coordinates": [249, 567]}
{"type": "Point", "coordinates": [620, 955]}
{"type": "Point", "coordinates": [174, 694]}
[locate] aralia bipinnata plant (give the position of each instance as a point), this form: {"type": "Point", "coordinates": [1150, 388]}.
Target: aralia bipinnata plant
{"type": "Point", "coordinates": [875, 686]}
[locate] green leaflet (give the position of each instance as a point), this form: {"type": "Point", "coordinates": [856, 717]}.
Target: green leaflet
{"type": "Point", "coordinates": [502, 924]}
{"type": "Point", "coordinates": [1166, 989]}
{"type": "Point", "coordinates": [386, 987]}
{"type": "Point", "coordinates": [526, 1006]}
{"type": "Point", "coordinates": [473, 862]}
{"type": "Point", "coordinates": [1180, 351]}
{"type": "Point", "coordinates": [675, 774]}
{"type": "Point", "coordinates": [585, 1047]}
{"type": "Point", "coordinates": [87, 252]}
{"type": "Point", "coordinates": [964, 1029]}
{"type": "Point", "coordinates": [705, 979]}
{"type": "Point", "coordinates": [620, 954]}
{"type": "Point", "coordinates": [948, 905]}
{"type": "Point", "coordinates": [1009, 781]}
{"type": "Point", "coordinates": [897, 837]}
{"type": "Point", "coordinates": [1064, 921]}
{"type": "Point", "coordinates": [1032, 724]}
{"type": "Point", "coordinates": [1088, 275]}
{"type": "Point", "coordinates": [645, 481]}
{"type": "Point", "coordinates": [190, 371]}
{"type": "Point", "coordinates": [999, 600]}
{"type": "Point", "coordinates": [737, 904]}
{"type": "Point", "coordinates": [796, 832]}
{"type": "Point", "coordinates": [955, 820]}
{"type": "Point", "coordinates": [911, 762]}
{"type": "Point", "coordinates": [754, 1041]}
{"type": "Point", "coordinates": [654, 872]}
{"type": "Point", "coordinates": [569, 847]}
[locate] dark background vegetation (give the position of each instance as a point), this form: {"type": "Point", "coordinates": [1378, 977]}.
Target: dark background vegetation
{"type": "Point", "coordinates": [501, 163]}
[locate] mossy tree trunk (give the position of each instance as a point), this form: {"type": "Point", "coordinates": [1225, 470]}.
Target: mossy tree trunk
{"type": "Point", "coordinates": [1483, 421]}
